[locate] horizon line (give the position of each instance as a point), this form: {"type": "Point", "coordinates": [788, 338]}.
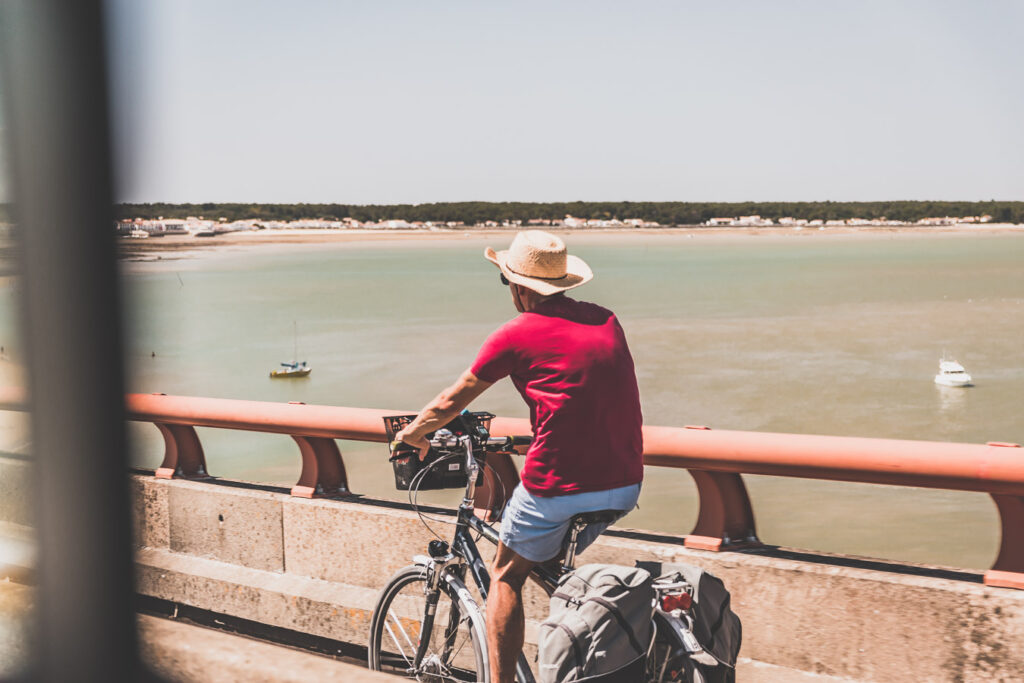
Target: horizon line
{"type": "Point", "coordinates": [589, 201]}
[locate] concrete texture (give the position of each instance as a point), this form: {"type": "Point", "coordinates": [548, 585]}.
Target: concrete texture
{"type": "Point", "coordinates": [751, 671]}
{"type": "Point", "coordinates": [322, 608]}
{"type": "Point", "coordinates": [183, 652]}
{"type": "Point", "coordinates": [17, 552]}
{"type": "Point", "coordinates": [319, 543]}
{"type": "Point", "coordinates": [815, 618]}
{"type": "Point", "coordinates": [16, 602]}
{"type": "Point", "coordinates": [16, 505]}
{"type": "Point", "coordinates": [150, 523]}
{"type": "Point", "coordinates": [240, 526]}
{"type": "Point", "coordinates": [187, 653]}
{"type": "Point", "coordinates": [859, 623]}
{"type": "Point", "coordinates": [316, 566]}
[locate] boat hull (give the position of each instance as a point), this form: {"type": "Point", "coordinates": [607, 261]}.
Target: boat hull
{"type": "Point", "coordinates": [286, 374]}
{"type": "Point", "coordinates": [953, 381]}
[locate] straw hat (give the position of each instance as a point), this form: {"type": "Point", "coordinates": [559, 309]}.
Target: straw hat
{"type": "Point", "coordinates": [538, 260]}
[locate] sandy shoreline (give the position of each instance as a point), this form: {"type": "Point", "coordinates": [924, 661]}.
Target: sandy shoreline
{"type": "Point", "coordinates": [153, 247]}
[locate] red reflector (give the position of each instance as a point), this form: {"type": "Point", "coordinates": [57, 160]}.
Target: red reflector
{"type": "Point", "coordinates": [674, 602]}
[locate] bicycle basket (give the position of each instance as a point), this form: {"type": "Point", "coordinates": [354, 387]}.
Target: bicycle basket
{"type": "Point", "coordinates": [450, 474]}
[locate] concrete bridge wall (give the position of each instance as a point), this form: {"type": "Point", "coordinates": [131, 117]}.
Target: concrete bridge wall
{"type": "Point", "coordinates": [316, 566]}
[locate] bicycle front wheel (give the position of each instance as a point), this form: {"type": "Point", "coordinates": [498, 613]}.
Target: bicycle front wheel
{"type": "Point", "coordinates": [454, 647]}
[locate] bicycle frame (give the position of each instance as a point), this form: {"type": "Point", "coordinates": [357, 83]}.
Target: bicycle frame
{"type": "Point", "coordinates": [449, 563]}
{"type": "Point", "coordinates": [464, 551]}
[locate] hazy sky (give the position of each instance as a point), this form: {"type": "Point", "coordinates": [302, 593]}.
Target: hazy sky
{"type": "Point", "coordinates": [386, 102]}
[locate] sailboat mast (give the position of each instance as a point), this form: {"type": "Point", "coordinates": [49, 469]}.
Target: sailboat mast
{"type": "Point", "coordinates": [295, 349]}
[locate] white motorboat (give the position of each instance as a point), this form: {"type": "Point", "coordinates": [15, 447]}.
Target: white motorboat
{"type": "Point", "coordinates": [952, 374]}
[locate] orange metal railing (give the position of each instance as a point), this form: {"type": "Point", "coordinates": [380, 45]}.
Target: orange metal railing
{"type": "Point", "coordinates": [715, 459]}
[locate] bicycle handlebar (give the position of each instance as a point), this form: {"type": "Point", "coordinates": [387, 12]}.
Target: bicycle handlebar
{"type": "Point", "coordinates": [495, 444]}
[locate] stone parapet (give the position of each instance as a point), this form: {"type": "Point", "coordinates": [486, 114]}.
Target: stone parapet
{"type": "Point", "coordinates": [16, 505]}
{"type": "Point", "coordinates": [316, 566]}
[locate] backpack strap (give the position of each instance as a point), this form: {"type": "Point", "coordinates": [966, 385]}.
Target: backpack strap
{"type": "Point", "coordinates": [576, 649]}
{"type": "Point", "coordinates": [623, 624]}
{"type": "Point", "coordinates": [569, 599]}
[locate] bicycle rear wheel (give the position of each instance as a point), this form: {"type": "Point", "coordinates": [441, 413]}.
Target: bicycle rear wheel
{"type": "Point", "coordinates": [668, 660]}
{"type": "Point", "coordinates": [455, 647]}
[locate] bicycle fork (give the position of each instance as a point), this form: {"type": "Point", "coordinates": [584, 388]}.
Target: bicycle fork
{"type": "Point", "coordinates": [441, 560]}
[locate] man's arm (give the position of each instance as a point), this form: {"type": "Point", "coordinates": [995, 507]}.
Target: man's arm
{"type": "Point", "coordinates": [442, 409]}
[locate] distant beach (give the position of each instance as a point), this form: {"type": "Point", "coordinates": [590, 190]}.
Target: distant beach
{"type": "Point", "coordinates": [130, 248]}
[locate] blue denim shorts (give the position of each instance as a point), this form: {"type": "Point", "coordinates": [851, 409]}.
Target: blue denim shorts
{"type": "Point", "coordinates": [535, 527]}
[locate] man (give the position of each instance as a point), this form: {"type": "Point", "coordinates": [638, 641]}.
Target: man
{"type": "Point", "coordinates": [571, 364]}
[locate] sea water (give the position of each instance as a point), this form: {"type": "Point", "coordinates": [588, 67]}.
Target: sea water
{"type": "Point", "coordinates": [827, 334]}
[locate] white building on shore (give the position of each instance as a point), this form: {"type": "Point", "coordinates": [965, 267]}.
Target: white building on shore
{"type": "Point", "coordinates": [716, 222]}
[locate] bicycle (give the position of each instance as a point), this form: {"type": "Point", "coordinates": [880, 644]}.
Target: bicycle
{"type": "Point", "coordinates": [427, 613]}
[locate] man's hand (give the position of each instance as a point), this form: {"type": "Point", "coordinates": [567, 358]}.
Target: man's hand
{"type": "Point", "coordinates": [441, 410]}
{"type": "Point", "coordinates": [410, 438]}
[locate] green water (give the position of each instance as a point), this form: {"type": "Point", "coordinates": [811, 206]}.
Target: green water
{"type": "Point", "coordinates": [817, 335]}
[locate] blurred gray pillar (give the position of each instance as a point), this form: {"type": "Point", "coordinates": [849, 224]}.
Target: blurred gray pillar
{"type": "Point", "coordinates": [55, 96]}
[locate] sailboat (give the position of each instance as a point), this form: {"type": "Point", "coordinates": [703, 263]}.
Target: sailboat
{"type": "Point", "coordinates": [293, 368]}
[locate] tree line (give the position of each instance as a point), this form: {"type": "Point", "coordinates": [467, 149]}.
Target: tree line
{"type": "Point", "coordinates": [665, 213]}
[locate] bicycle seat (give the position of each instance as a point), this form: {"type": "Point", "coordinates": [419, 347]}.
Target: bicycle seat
{"type": "Point", "coordinates": [598, 516]}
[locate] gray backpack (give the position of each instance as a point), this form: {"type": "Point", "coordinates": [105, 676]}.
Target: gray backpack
{"type": "Point", "coordinates": [716, 627]}
{"type": "Point", "coordinates": [600, 627]}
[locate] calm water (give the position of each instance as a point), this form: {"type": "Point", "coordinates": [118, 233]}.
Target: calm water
{"type": "Point", "coordinates": [820, 335]}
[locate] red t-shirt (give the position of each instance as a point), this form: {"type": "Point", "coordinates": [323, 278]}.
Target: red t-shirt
{"type": "Point", "coordinates": [570, 362]}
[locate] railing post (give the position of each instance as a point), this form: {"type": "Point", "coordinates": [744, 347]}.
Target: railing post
{"type": "Point", "coordinates": [183, 454]}
{"type": "Point", "coordinates": [725, 519]}
{"type": "Point", "coordinates": [323, 471]}
{"type": "Point", "coordinates": [1008, 570]}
